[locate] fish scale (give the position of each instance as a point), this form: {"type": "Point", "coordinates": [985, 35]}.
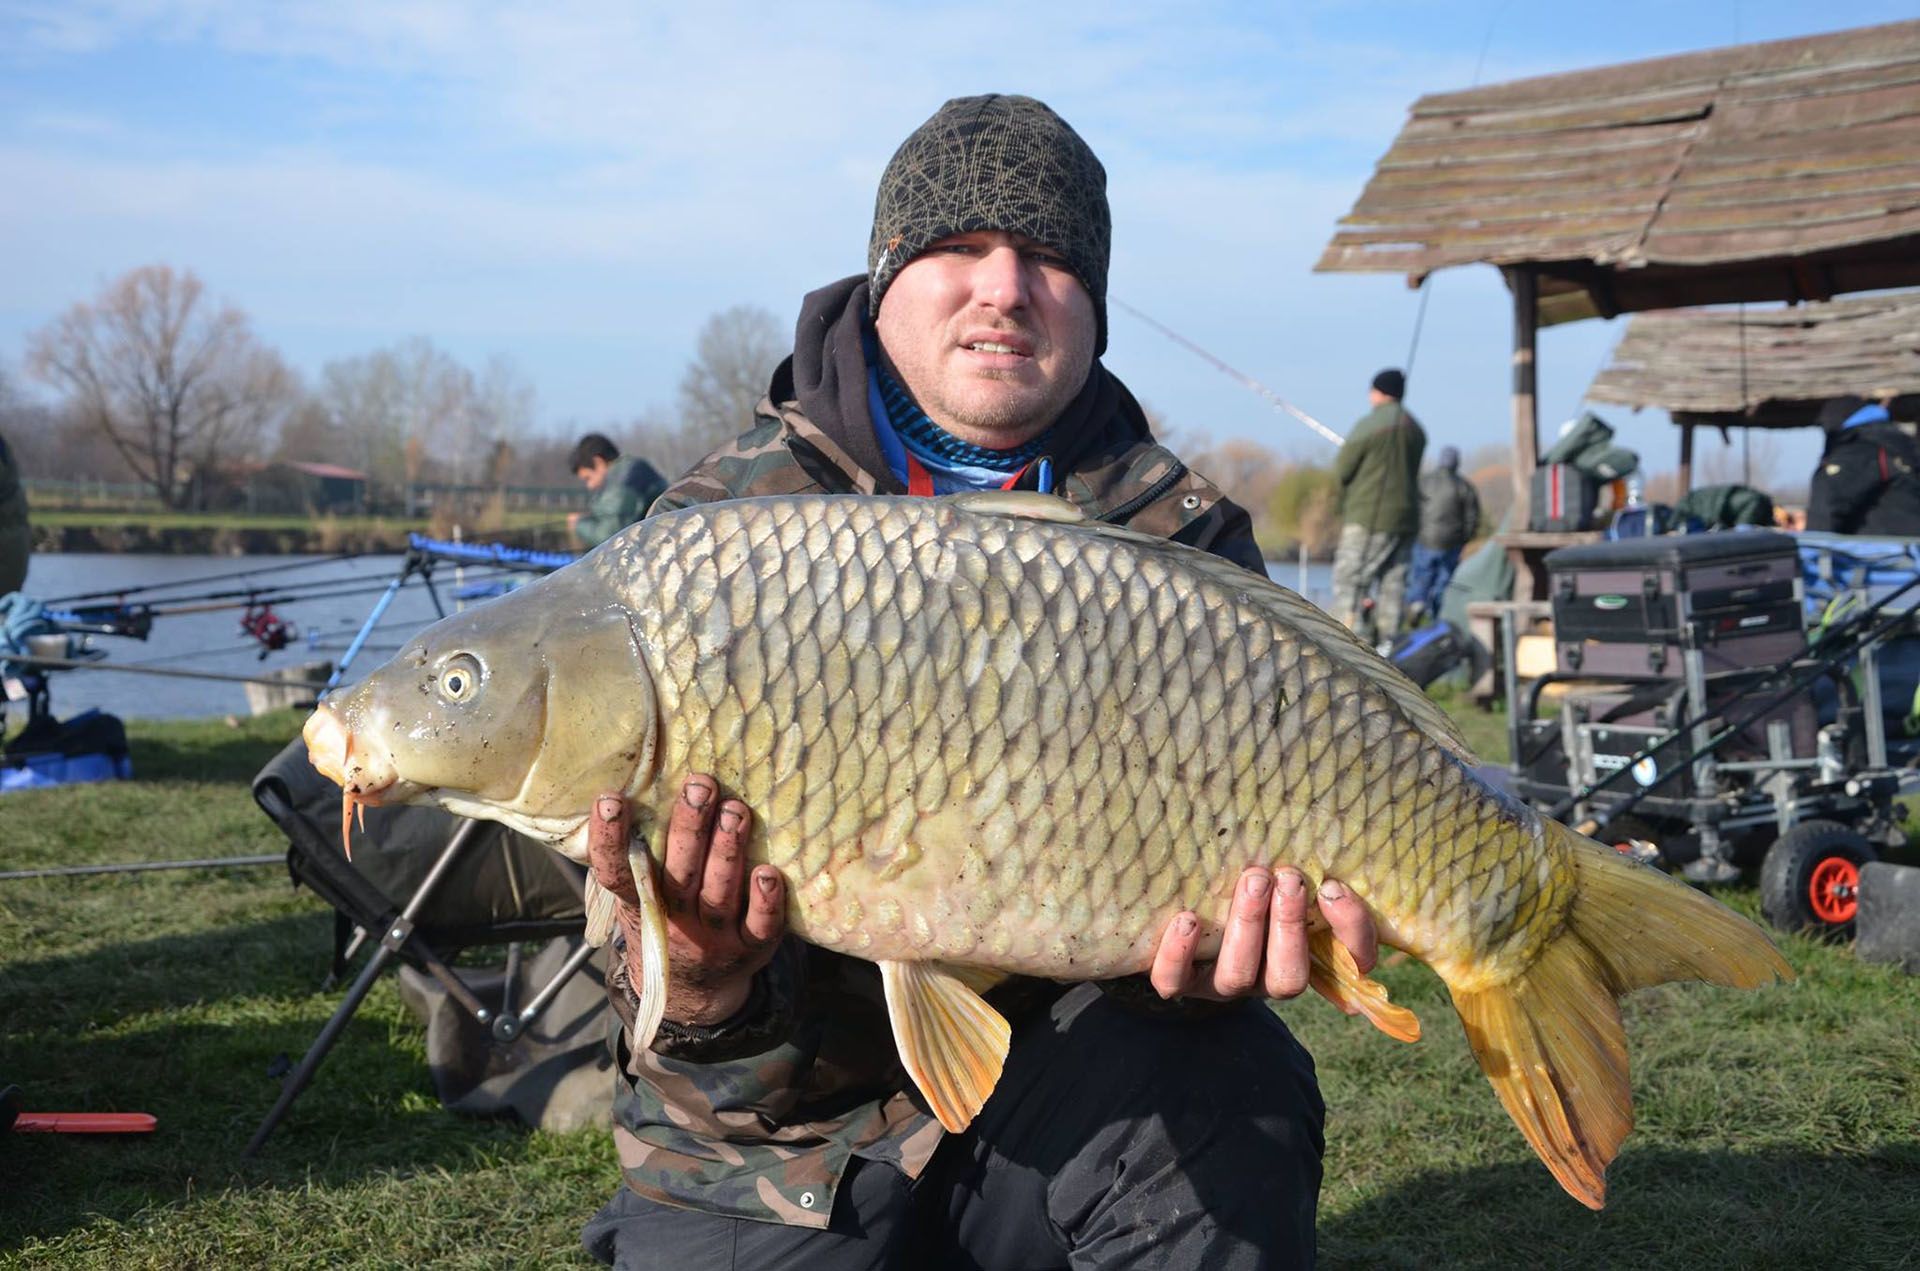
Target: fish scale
{"type": "Point", "coordinates": [982, 733]}
{"type": "Point", "coordinates": [1159, 643]}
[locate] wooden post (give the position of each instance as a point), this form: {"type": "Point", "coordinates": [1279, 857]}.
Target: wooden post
{"type": "Point", "coordinates": [1526, 406]}
{"type": "Point", "coordinates": [1686, 457]}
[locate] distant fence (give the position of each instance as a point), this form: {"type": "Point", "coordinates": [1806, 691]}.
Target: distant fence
{"type": "Point", "coordinates": [424, 496]}
{"type": "Point", "coordinates": [47, 492]}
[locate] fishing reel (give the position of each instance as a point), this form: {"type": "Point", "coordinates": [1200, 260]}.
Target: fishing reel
{"type": "Point", "coordinates": [267, 627]}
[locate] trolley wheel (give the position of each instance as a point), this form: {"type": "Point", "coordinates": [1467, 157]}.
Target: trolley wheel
{"type": "Point", "coordinates": [1810, 880]}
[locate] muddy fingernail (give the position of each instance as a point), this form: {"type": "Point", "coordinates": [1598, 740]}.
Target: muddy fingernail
{"type": "Point", "coordinates": [609, 808]}
{"type": "Point", "coordinates": [766, 881]}
{"type": "Point", "coordinates": [1290, 883]}
{"type": "Point", "coordinates": [1258, 882]}
{"type": "Point", "coordinates": [1331, 890]}
{"type": "Point", "coordinates": [697, 794]}
{"type": "Point", "coordinates": [1186, 924]}
{"type": "Point", "coordinates": [730, 819]}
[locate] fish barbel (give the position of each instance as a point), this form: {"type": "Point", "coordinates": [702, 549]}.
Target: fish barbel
{"type": "Point", "coordinates": [986, 736]}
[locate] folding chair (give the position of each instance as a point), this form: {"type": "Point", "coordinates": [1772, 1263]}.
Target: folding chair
{"type": "Point", "coordinates": [465, 883]}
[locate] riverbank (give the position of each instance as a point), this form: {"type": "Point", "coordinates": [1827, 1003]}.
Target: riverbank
{"type": "Point", "coordinates": [189, 534]}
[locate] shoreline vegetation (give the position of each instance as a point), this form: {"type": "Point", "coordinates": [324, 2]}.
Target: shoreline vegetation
{"type": "Point", "coordinates": [185, 993]}
{"type": "Point", "coordinates": [215, 534]}
{"type": "Point", "coordinates": [220, 534]}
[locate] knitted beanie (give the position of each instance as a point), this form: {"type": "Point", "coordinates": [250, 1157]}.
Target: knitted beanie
{"type": "Point", "coordinates": [995, 162]}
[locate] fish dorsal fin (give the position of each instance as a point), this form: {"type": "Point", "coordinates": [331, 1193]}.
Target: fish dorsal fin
{"type": "Point", "coordinates": [952, 1043]}
{"type": "Point", "coordinates": [1022, 503]}
{"type": "Point", "coordinates": [1336, 976]}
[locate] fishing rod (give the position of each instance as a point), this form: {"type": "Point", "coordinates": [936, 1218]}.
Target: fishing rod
{"type": "Point", "coordinates": [1279, 402]}
{"type": "Point", "coordinates": [169, 585]}
{"type": "Point", "coordinates": [1850, 647]}
{"type": "Point", "coordinates": [81, 664]}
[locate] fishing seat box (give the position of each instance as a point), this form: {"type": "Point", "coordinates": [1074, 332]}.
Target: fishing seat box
{"type": "Point", "coordinates": [1631, 609]}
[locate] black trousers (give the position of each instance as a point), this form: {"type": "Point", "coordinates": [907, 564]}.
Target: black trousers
{"type": "Point", "coordinates": [1115, 1139]}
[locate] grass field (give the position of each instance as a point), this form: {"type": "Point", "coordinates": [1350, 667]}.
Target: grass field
{"type": "Point", "coordinates": [1776, 1129]}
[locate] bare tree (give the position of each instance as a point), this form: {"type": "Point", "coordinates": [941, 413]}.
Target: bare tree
{"type": "Point", "coordinates": [413, 412]}
{"type": "Point", "coordinates": [174, 383]}
{"type": "Point", "coordinates": [734, 356]}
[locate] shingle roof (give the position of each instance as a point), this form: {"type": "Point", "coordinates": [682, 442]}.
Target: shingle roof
{"type": "Point", "coordinates": [1772, 367]}
{"type": "Point", "coordinates": [1780, 171]}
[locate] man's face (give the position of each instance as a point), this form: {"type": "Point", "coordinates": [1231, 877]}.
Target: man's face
{"type": "Point", "coordinates": [594, 475]}
{"type": "Point", "coordinates": [992, 334]}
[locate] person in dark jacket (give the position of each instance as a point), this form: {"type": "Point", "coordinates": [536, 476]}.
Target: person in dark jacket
{"type": "Point", "coordinates": [1868, 479]}
{"type": "Point", "coordinates": [16, 538]}
{"type": "Point", "coordinates": [1449, 518]}
{"type": "Point", "coordinates": [770, 1122]}
{"type": "Point", "coordinates": [1379, 472]}
{"type": "Point", "coordinates": [623, 488]}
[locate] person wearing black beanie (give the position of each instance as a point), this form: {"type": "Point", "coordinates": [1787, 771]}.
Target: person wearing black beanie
{"type": "Point", "coordinates": [1378, 470]}
{"type": "Point", "coordinates": [770, 1122]}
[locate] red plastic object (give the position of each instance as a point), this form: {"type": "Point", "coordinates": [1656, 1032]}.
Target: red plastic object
{"type": "Point", "coordinates": [1834, 890]}
{"type": "Point", "coordinates": [84, 1123]}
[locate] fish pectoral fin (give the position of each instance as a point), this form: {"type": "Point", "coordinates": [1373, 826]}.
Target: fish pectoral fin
{"type": "Point", "coordinates": [1337, 978]}
{"type": "Point", "coordinates": [952, 1043]}
{"type": "Point", "coordinates": [1022, 503]}
{"type": "Point", "coordinates": [602, 908]}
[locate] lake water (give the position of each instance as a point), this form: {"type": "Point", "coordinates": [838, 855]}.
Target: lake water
{"type": "Point", "coordinates": [214, 641]}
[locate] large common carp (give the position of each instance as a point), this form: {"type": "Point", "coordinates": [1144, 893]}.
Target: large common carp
{"type": "Point", "coordinates": [984, 735]}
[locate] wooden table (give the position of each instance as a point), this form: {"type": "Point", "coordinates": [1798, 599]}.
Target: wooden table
{"type": "Point", "coordinates": [1527, 551]}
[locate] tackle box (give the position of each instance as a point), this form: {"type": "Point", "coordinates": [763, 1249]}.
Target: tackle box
{"type": "Point", "coordinates": [1600, 730]}
{"type": "Point", "coordinates": [1630, 609]}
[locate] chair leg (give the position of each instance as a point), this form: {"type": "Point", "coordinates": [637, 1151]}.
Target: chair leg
{"type": "Point", "coordinates": [398, 934]}
{"type": "Point", "coordinates": [300, 1077]}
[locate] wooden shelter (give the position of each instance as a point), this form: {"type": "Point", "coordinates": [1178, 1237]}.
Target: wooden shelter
{"type": "Point", "coordinates": [1769, 368]}
{"type": "Point", "coordinates": [1764, 172]}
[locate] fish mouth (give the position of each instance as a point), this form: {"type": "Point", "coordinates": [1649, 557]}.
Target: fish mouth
{"type": "Point", "coordinates": [365, 776]}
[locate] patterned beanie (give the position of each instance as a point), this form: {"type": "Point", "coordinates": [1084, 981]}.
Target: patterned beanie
{"type": "Point", "coordinates": [994, 163]}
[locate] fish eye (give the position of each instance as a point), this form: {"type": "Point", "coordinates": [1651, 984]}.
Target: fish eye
{"type": "Point", "coordinates": [459, 679]}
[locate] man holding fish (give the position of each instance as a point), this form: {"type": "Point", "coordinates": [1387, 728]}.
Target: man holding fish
{"type": "Point", "coordinates": [964, 750]}
{"type": "Point", "coordinates": [770, 1123]}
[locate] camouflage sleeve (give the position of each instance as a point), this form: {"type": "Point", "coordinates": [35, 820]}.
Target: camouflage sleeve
{"type": "Point", "coordinates": [1226, 530]}
{"type": "Point", "coordinates": [757, 462]}
{"type": "Point", "coordinates": [758, 1026]}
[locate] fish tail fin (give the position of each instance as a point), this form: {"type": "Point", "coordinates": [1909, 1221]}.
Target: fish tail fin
{"type": "Point", "coordinates": [602, 915]}
{"type": "Point", "coordinates": [1550, 1040]}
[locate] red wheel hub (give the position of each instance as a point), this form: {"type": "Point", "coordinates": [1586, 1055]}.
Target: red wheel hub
{"type": "Point", "coordinates": [1834, 890]}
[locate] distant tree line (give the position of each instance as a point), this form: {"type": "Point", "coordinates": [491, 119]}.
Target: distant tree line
{"type": "Point", "coordinates": [157, 383]}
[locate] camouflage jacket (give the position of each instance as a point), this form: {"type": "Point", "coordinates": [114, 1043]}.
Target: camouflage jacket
{"type": "Point", "coordinates": [756, 1117]}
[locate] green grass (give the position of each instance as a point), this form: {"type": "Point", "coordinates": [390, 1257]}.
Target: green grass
{"type": "Point", "coordinates": [1775, 1129]}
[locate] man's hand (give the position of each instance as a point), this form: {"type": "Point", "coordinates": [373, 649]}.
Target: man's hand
{"type": "Point", "coordinates": [722, 926]}
{"type": "Point", "coordinates": [573, 521]}
{"type": "Point", "coordinates": [1263, 951]}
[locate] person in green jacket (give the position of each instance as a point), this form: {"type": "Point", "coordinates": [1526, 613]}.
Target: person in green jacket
{"type": "Point", "coordinates": [623, 488]}
{"type": "Point", "coordinates": [16, 540]}
{"type": "Point", "coordinates": [1379, 473]}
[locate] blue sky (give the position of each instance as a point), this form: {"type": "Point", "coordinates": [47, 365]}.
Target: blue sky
{"type": "Point", "coordinates": [578, 186]}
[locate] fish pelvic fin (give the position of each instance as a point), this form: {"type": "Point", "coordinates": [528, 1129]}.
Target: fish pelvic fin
{"type": "Point", "coordinates": [951, 1042]}
{"type": "Point", "coordinates": [1550, 1040]}
{"type": "Point", "coordinates": [602, 908]}
{"type": "Point", "coordinates": [1336, 976]}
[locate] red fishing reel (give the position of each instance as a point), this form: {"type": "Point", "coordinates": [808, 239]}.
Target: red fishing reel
{"type": "Point", "coordinates": [267, 627]}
